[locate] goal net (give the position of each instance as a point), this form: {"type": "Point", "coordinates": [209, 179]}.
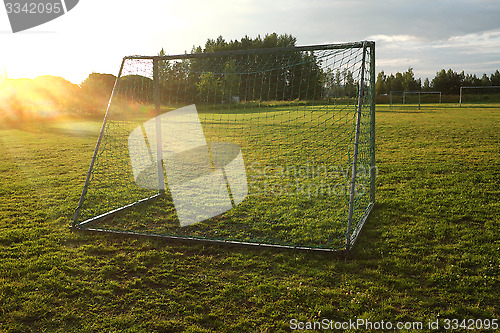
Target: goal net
{"type": "Point", "coordinates": [408, 99]}
{"type": "Point", "coordinates": [479, 95]}
{"type": "Point", "coordinates": [272, 147]}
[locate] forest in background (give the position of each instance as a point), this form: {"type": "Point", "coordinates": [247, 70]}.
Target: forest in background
{"type": "Point", "coordinates": [448, 82]}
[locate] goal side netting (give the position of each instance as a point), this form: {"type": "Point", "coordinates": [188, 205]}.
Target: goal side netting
{"type": "Point", "coordinates": [268, 147]}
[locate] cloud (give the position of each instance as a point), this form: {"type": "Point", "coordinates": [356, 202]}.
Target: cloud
{"type": "Point", "coordinates": [486, 41]}
{"type": "Point", "coordinates": [427, 34]}
{"type": "Point", "coordinates": [397, 62]}
{"type": "Point", "coordinates": [474, 53]}
{"type": "Point", "coordinates": [394, 38]}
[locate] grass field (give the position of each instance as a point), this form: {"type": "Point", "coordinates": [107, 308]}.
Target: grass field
{"type": "Point", "coordinates": [430, 249]}
{"type": "Point", "coordinates": [297, 160]}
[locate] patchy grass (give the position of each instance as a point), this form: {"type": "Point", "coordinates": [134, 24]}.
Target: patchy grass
{"type": "Point", "coordinates": [297, 163]}
{"type": "Point", "coordinates": [430, 249]}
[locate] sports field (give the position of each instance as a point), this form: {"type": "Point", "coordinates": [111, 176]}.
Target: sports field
{"type": "Point", "coordinates": [430, 249]}
{"type": "Point", "coordinates": [293, 188]}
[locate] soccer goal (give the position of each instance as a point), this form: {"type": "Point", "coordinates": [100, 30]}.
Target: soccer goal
{"type": "Point", "coordinates": [478, 95]}
{"type": "Point", "coordinates": [269, 147]}
{"type": "Point", "coordinates": [414, 97]}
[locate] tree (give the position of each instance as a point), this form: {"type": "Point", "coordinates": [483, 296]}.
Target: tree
{"type": "Point", "coordinates": [209, 88]}
{"type": "Point", "coordinates": [349, 83]}
{"type": "Point", "coordinates": [269, 41]}
{"type": "Point", "coordinates": [217, 88]}
{"type": "Point", "coordinates": [396, 82]}
{"type": "Point", "coordinates": [231, 82]}
{"type": "Point", "coordinates": [448, 82]}
{"type": "Point", "coordinates": [471, 81]}
{"type": "Point", "coordinates": [485, 80]}
{"type": "Point", "coordinates": [495, 78]}
{"type": "Point", "coordinates": [445, 81]}
{"type": "Point", "coordinates": [98, 84]}
{"type": "Point", "coordinates": [163, 68]}
{"type": "Point", "coordinates": [400, 82]}
{"type": "Point", "coordinates": [284, 79]}
{"type": "Point", "coordinates": [95, 92]}
{"type": "Point", "coordinates": [54, 92]}
{"type": "Point", "coordinates": [408, 81]}
{"type": "Point", "coordinates": [136, 88]}
{"type": "Point", "coordinates": [381, 84]}
{"type": "Point", "coordinates": [340, 84]}
{"type": "Point", "coordinates": [427, 85]}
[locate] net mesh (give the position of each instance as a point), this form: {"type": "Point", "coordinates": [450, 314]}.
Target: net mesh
{"type": "Point", "coordinates": [289, 116]}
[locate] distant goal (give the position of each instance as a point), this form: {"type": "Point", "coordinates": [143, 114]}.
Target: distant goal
{"type": "Point", "coordinates": [414, 98]}
{"type": "Point", "coordinates": [479, 95]}
{"type": "Point", "coordinates": [268, 147]}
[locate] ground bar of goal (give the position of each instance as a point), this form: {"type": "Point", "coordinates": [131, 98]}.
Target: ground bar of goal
{"type": "Point", "coordinates": [115, 211]}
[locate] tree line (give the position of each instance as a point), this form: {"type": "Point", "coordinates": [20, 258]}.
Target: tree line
{"type": "Point", "coordinates": [258, 76]}
{"type": "Point", "coordinates": [250, 77]}
{"type": "Point", "coordinates": [49, 96]}
{"type": "Point", "coordinates": [446, 81]}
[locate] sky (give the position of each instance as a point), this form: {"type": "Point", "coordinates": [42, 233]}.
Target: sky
{"type": "Point", "coordinates": [95, 35]}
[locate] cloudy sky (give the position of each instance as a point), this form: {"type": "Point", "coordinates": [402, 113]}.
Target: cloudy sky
{"type": "Point", "coordinates": [94, 36]}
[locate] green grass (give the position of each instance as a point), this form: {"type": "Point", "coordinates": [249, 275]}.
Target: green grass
{"type": "Point", "coordinates": [430, 249]}
{"type": "Point", "coordinates": [290, 202]}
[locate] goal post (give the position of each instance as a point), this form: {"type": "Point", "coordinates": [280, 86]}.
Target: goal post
{"type": "Point", "coordinates": [403, 96]}
{"type": "Point", "coordinates": [419, 94]}
{"type": "Point", "coordinates": [483, 94]}
{"type": "Point", "coordinates": [269, 147]}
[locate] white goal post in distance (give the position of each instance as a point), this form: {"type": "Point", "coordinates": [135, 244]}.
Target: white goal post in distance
{"type": "Point", "coordinates": [483, 89]}
{"type": "Point", "coordinates": [419, 93]}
